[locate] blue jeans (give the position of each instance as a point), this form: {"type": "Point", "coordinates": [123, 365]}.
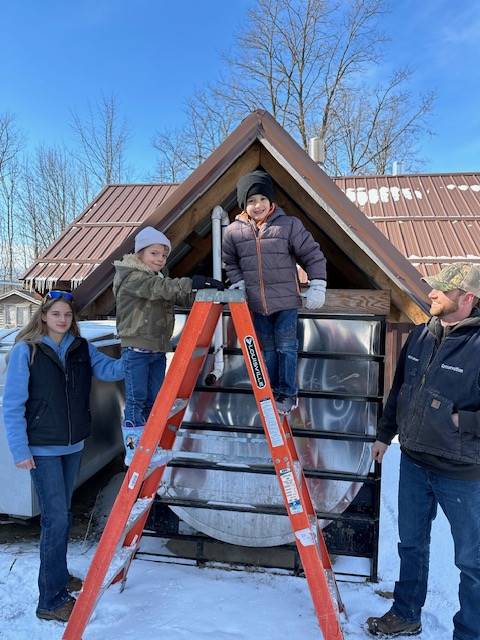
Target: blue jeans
{"type": "Point", "coordinates": [144, 374]}
{"type": "Point", "coordinates": [54, 480]}
{"type": "Point", "coordinates": [420, 491]}
{"type": "Point", "coordinates": [277, 334]}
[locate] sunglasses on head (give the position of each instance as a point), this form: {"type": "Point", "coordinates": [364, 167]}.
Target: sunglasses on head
{"type": "Point", "coordinates": [57, 295]}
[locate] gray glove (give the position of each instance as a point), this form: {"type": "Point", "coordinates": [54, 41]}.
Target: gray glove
{"type": "Point", "coordinates": [315, 295]}
{"type": "Point", "coordinates": [238, 285]}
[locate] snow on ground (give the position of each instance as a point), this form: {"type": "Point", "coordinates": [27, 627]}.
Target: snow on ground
{"type": "Point", "coordinates": [183, 602]}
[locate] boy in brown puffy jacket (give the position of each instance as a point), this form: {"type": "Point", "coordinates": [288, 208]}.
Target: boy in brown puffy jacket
{"type": "Point", "coordinates": [261, 249]}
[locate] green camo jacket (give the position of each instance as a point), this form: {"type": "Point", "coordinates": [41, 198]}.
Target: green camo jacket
{"type": "Point", "coordinates": [145, 304]}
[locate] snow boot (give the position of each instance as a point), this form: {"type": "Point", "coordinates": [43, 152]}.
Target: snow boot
{"type": "Point", "coordinates": [286, 404]}
{"type": "Point", "coordinates": [131, 438]}
{"type": "Point", "coordinates": [74, 584]}
{"type": "Point", "coordinates": [61, 613]}
{"type": "Point", "coordinates": [392, 626]}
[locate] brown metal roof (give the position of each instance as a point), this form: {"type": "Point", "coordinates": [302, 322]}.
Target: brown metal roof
{"type": "Point", "coordinates": [116, 212]}
{"type": "Point", "coordinates": [105, 230]}
{"type": "Point", "coordinates": [431, 219]}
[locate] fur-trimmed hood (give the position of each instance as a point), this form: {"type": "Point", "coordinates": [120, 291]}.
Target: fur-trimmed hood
{"type": "Point", "coordinates": [124, 267]}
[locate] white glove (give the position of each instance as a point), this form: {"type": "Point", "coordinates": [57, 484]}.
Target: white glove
{"type": "Point", "coordinates": [315, 295]}
{"type": "Point", "coordinates": [238, 285]}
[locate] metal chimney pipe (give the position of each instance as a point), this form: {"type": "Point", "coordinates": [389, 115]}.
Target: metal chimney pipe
{"type": "Point", "coordinates": [316, 150]}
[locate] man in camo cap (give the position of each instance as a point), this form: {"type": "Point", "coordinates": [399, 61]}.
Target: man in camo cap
{"type": "Point", "coordinates": [434, 407]}
{"type": "Point", "coordinates": [459, 275]}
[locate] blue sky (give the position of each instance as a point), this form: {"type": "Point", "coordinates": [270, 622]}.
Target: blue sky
{"type": "Point", "coordinates": [152, 54]}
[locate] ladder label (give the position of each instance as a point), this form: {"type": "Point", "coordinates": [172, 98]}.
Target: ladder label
{"type": "Point", "coordinates": [254, 361]}
{"type": "Point", "coordinates": [133, 480]}
{"type": "Point", "coordinates": [271, 422]}
{"type": "Point", "coordinates": [291, 492]}
{"type": "Point", "coordinates": [305, 537]}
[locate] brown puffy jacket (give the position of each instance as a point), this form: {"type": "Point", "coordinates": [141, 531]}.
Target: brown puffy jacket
{"type": "Point", "coordinates": [266, 259]}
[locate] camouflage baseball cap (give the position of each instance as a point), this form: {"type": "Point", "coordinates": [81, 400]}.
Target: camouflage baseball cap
{"type": "Point", "coordinates": [460, 275]}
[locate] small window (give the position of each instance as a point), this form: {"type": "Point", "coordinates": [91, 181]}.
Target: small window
{"type": "Point", "coordinates": [23, 315]}
{"type": "Point", "coordinates": [10, 315]}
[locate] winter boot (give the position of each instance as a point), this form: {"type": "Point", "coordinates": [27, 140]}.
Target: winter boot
{"type": "Point", "coordinates": [61, 613]}
{"type": "Point", "coordinates": [131, 438]}
{"type": "Point", "coordinates": [74, 584]}
{"type": "Point", "coordinates": [286, 404]}
{"type": "Point", "coordinates": [392, 626]}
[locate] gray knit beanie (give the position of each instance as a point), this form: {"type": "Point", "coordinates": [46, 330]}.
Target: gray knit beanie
{"type": "Point", "coordinates": [148, 236]}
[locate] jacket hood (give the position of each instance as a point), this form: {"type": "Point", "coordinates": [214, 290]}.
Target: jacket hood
{"type": "Point", "coordinates": [435, 326]}
{"type": "Point", "coordinates": [124, 267]}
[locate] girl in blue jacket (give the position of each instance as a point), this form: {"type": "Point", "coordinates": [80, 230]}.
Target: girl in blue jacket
{"type": "Point", "coordinates": [47, 417]}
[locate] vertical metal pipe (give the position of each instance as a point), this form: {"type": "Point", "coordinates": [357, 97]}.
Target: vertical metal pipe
{"type": "Point", "coordinates": [220, 219]}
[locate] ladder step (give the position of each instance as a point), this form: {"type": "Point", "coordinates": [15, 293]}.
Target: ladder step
{"type": "Point", "coordinates": [119, 561]}
{"type": "Point", "coordinates": [178, 405]}
{"type": "Point", "coordinates": [199, 352]}
{"type": "Point", "coordinates": [138, 510]}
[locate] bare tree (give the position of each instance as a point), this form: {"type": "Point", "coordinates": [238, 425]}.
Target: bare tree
{"type": "Point", "coordinates": [209, 121]}
{"type": "Point", "coordinates": [306, 62]}
{"type": "Point", "coordinates": [102, 137]}
{"type": "Point", "coordinates": [371, 130]}
{"type": "Point", "coordinates": [11, 142]}
{"type": "Point", "coordinates": [50, 197]}
{"type": "Point", "coordinates": [8, 197]}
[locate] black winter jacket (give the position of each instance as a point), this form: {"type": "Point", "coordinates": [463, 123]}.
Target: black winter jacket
{"type": "Point", "coordinates": [437, 375]}
{"type": "Point", "coordinates": [57, 410]}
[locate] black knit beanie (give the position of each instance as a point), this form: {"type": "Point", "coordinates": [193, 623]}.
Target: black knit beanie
{"type": "Point", "coordinates": [254, 183]}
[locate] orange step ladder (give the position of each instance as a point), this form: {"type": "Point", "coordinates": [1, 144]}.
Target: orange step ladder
{"type": "Point", "coordinates": [121, 537]}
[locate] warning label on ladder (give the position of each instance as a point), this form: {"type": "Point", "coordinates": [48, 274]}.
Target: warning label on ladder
{"type": "Point", "coordinates": [271, 423]}
{"type": "Point", "coordinates": [290, 488]}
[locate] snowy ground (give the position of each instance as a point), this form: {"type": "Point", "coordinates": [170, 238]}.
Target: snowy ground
{"type": "Point", "coordinates": [181, 602]}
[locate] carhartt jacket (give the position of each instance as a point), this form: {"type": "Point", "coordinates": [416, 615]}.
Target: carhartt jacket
{"type": "Point", "coordinates": [436, 377]}
{"type": "Point", "coordinates": [265, 258]}
{"type": "Point", "coordinates": [145, 304]}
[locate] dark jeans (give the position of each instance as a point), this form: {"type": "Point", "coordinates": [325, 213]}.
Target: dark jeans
{"type": "Point", "coordinates": [54, 479]}
{"type": "Point", "coordinates": [277, 334]}
{"type": "Point", "coordinates": [419, 493]}
{"type": "Point", "coordinates": [144, 374]}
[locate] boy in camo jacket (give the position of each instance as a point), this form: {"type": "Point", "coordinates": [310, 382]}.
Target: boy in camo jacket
{"type": "Point", "coordinates": [145, 319]}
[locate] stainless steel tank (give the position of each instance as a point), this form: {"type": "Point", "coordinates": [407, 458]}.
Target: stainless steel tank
{"type": "Point", "coordinates": [347, 373]}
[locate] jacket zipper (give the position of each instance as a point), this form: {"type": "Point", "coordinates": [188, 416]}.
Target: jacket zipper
{"type": "Point", "coordinates": [68, 408]}
{"type": "Point", "coordinates": [72, 347]}
{"type": "Point", "coordinates": [260, 272]}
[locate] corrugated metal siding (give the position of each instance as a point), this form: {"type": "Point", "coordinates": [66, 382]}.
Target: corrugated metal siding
{"type": "Point", "coordinates": [115, 214]}
{"type": "Point", "coordinates": [431, 219]}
